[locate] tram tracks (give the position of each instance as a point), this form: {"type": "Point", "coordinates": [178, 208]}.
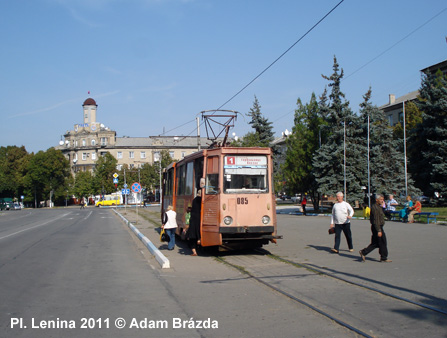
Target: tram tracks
{"type": "Point", "coordinates": [364, 310]}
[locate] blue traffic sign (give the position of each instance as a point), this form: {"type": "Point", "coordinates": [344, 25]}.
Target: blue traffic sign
{"type": "Point", "coordinates": [115, 181]}
{"type": "Point", "coordinates": [125, 191]}
{"type": "Point", "coordinates": [136, 187]}
{"type": "Point", "coordinates": [125, 185]}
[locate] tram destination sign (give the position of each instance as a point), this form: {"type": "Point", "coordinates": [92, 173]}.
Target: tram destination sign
{"type": "Point", "coordinates": [246, 161]}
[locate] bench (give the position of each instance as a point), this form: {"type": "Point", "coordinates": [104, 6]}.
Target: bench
{"type": "Point", "coordinates": [431, 216]}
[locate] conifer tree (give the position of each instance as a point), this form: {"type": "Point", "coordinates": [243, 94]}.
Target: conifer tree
{"type": "Point", "coordinates": [263, 129]}
{"type": "Point", "coordinates": [387, 169]}
{"type": "Point", "coordinates": [328, 162]}
{"type": "Point", "coordinates": [430, 137]}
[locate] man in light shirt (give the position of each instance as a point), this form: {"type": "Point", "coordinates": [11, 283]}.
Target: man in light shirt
{"type": "Point", "coordinates": [342, 212]}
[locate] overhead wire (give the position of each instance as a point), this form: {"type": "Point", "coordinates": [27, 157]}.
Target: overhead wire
{"type": "Point", "coordinates": [271, 64]}
{"type": "Point", "coordinates": [296, 42]}
{"type": "Point", "coordinates": [395, 44]}
{"type": "Point", "coordinates": [382, 53]}
{"type": "Point", "coordinates": [284, 53]}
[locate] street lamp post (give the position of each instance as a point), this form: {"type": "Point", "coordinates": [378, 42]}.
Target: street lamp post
{"type": "Point", "coordinates": [405, 151]}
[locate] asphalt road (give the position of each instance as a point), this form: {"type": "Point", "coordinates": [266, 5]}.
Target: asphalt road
{"type": "Point", "coordinates": [77, 268]}
{"type": "Point", "coordinates": [85, 268]}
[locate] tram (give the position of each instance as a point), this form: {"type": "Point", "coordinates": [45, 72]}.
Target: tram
{"type": "Point", "coordinates": [238, 202]}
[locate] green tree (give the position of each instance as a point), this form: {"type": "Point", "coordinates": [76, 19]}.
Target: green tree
{"type": "Point", "coordinates": [328, 162]}
{"type": "Point", "coordinates": [13, 167]}
{"type": "Point", "coordinates": [301, 146]}
{"type": "Point", "coordinates": [83, 184]}
{"type": "Point", "coordinates": [413, 117]}
{"type": "Point", "coordinates": [47, 176]}
{"type": "Point", "coordinates": [387, 169]}
{"type": "Point", "coordinates": [263, 135]}
{"type": "Point", "coordinates": [429, 144]}
{"type": "Point", "coordinates": [104, 170]}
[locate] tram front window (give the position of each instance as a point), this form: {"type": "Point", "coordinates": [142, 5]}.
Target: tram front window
{"type": "Point", "coordinates": [245, 174]}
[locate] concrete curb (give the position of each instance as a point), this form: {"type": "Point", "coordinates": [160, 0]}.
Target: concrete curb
{"type": "Point", "coordinates": [161, 259]}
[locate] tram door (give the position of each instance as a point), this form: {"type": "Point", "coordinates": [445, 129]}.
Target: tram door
{"type": "Point", "coordinates": [210, 207]}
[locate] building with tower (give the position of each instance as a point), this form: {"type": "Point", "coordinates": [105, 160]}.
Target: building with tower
{"type": "Point", "coordinates": [91, 139]}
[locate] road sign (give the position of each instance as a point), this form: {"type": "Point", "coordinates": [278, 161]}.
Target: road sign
{"type": "Point", "coordinates": [125, 191]}
{"type": "Point", "coordinates": [115, 181]}
{"type": "Point", "coordinates": [115, 175]}
{"type": "Point", "coordinates": [125, 185]}
{"type": "Point", "coordinates": [136, 187]}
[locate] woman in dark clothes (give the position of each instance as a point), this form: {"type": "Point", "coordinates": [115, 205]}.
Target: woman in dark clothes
{"type": "Point", "coordinates": [193, 232]}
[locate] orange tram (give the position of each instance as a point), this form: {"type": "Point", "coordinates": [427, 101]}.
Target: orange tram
{"type": "Point", "coordinates": [238, 202]}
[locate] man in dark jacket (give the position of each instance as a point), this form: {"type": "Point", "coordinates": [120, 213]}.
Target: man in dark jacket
{"type": "Point", "coordinates": [378, 238]}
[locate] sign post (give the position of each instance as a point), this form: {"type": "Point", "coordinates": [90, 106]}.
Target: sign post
{"type": "Point", "coordinates": [136, 188]}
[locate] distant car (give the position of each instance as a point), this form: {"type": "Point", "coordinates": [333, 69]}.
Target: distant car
{"type": "Point", "coordinates": [16, 206]}
{"type": "Point", "coordinates": [424, 199]}
{"type": "Point", "coordinates": [285, 197]}
{"type": "Point", "coordinates": [296, 199]}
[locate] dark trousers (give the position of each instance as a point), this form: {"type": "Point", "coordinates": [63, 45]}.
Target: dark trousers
{"type": "Point", "coordinates": [304, 209]}
{"type": "Point", "coordinates": [377, 242]}
{"type": "Point", "coordinates": [346, 228]}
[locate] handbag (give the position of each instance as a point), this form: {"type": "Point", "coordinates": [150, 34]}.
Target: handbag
{"type": "Point", "coordinates": [331, 231]}
{"type": "Point", "coordinates": [164, 237]}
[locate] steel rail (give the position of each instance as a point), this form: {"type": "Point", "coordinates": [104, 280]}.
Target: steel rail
{"type": "Point", "coordinates": [310, 306]}
{"type": "Point", "coordinates": [317, 270]}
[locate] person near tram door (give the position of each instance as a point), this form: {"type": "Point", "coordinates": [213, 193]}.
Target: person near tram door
{"type": "Point", "coordinates": [193, 231]}
{"type": "Point", "coordinates": [170, 225]}
{"type": "Point", "coordinates": [342, 213]}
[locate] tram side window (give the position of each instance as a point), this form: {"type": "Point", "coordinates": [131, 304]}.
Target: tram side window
{"type": "Point", "coordinates": [189, 178]}
{"type": "Point", "coordinates": [212, 184]}
{"type": "Point", "coordinates": [198, 171]}
{"type": "Point", "coordinates": [169, 182]}
{"type": "Point", "coordinates": [212, 175]}
{"type": "Point", "coordinates": [181, 180]}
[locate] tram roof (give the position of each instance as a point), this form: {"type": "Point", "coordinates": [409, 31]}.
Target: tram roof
{"type": "Point", "coordinates": [222, 150]}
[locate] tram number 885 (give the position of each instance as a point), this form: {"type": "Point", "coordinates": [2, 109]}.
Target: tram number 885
{"type": "Point", "coordinates": [242, 200]}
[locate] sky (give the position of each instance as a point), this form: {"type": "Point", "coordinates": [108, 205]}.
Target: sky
{"type": "Point", "coordinates": [153, 65]}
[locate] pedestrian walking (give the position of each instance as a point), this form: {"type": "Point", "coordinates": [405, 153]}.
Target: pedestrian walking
{"type": "Point", "coordinates": [82, 204]}
{"type": "Point", "coordinates": [170, 226]}
{"type": "Point", "coordinates": [342, 213]}
{"type": "Point", "coordinates": [303, 204]}
{"type": "Point", "coordinates": [378, 238]}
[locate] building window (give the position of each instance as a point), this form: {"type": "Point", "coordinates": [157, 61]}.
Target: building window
{"type": "Point", "coordinates": [103, 141]}
{"type": "Point", "coordinates": [131, 166]}
{"type": "Point", "coordinates": [171, 153]}
{"type": "Point", "coordinates": [143, 154]}
{"type": "Point", "coordinates": [390, 120]}
{"type": "Point", "coordinates": [119, 154]}
{"type": "Point", "coordinates": [84, 156]}
{"type": "Point", "coordinates": [131, 154]}
{"type": "Point", "coordinates": [103, 153]}
{"type": "Point", "coordinates": [401, 117]}
{"type": "Point", "coordinates": [93, 142]}
{"type": "Point", "coordinates": [119, 167]}
{"type": "Point", "coordinates": [93, 156]}
{"type": "Point", "coordinates": [183, 154]}
{"type": "Point", "coordinates": [84, 142]}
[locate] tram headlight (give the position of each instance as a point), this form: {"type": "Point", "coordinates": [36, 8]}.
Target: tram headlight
{"type": "Point", "coordinates": [265, 220]}
{"type": "Point", "coordinates": [228, 220]}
